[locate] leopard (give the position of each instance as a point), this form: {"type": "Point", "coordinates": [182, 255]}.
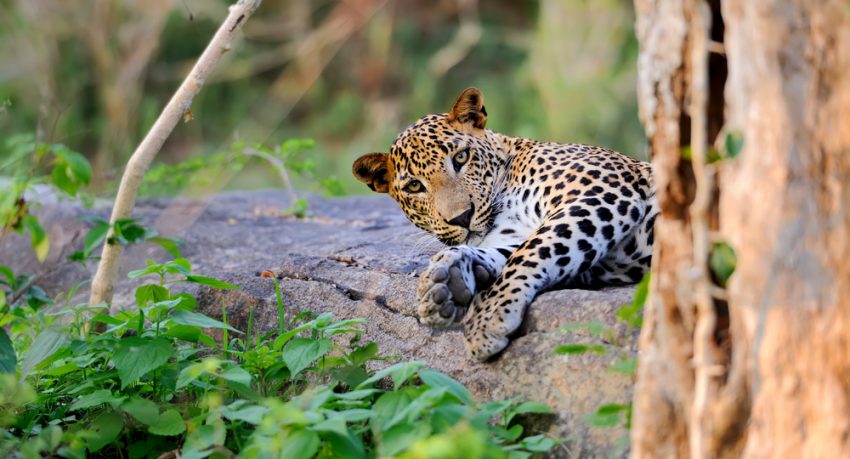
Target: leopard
{"type": "Point", "coordinates": [517, 216]}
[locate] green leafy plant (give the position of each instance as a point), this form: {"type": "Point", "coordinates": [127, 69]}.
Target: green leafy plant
{"type": "Point", "coordinates": [165, 377]}
{"type": "Point", "coordinates": [25, 164]}
{"type": "Point", "coordinates": [289, 156]}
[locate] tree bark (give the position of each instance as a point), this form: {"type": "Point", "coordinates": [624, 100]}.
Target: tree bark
{"type": "Point", "coordinates": [776, 365]}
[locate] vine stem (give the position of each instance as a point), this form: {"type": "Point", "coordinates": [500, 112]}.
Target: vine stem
{"type": "Point", "coordinates": [103, 284]}
{"type": "Point", "coordinates": [699, 210]}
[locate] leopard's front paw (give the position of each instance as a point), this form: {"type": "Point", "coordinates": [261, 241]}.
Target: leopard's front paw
{"type": "Point", "coordinates": [447, 287]}
{"type": "Point", "coordinates": [481, 344]}
{"type": "Point", "coordinates": [492, 318]}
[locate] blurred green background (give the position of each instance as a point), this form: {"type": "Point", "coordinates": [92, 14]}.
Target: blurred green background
{"type": "Point", "coordinates": [350, 74]}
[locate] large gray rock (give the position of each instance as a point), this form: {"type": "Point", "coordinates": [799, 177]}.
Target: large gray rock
{"type": "Point", "coordinates": [359, 257]}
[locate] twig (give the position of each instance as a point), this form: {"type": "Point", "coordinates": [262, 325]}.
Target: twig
{"type": "Point", "coordinates": [281, 169]}
{"type": "Point", "coordinates": [704, 178]}
{"type": "Point", "coordinates": [110, 262]}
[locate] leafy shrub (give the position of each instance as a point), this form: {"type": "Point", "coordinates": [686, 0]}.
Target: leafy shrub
{"type": "Point", "coordinates": [155, 380]}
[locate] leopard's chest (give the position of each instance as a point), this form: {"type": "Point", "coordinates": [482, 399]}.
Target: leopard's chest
{"type": "Point", "coordinates": [520, 214]}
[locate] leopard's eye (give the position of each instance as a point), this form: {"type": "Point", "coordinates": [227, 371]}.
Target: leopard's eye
{"type": "Point", "coordinates": [460, 158]}
{"type": "Point", "coordinates": [414, 186]}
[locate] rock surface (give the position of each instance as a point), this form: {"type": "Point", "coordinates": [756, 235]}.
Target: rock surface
{"type": "Point", "coordinates": [358, 257]}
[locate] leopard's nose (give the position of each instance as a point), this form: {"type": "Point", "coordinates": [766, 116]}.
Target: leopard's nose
{"type": "Point", "coordinates": [464, 219]}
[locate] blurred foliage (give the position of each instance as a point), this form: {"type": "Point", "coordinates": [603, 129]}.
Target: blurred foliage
{"type": "Point", "coordinates": [93, 75]}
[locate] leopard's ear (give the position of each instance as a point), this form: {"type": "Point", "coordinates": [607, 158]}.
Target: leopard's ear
{"type": "Point", "coordinates": [469, 108]}
{"type": "Point", "coordinates": [373, 169]}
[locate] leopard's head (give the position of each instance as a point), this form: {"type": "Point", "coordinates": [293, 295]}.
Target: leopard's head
{"type": "Point", "coordinates": [442, 170]}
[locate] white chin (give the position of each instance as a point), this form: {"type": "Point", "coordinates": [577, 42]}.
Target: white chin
{"type": "Point", "coordinates": [473, 238]}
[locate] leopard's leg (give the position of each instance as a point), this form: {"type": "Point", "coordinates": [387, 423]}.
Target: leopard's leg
{"type": "Point", "coordinates": [453, 277]}
{"type": "Point", "coordinates": [563, 247]}
{"type": "Point", "coordinates": [627, 262]}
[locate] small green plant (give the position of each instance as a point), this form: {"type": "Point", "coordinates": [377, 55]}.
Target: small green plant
{"type": "Point", "coordinates": [288, 156]}
{"type": "Point", "coordinates": [26, 163]}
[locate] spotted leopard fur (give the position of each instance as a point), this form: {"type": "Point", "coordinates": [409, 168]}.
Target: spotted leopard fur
{"type": "Point", "coordinates": [518, 216]}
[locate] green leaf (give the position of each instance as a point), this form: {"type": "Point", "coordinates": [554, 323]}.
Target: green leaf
{"type": "Point", "coordinates": [136, 356]}
{"type": "Point", "coordinates": [632, 313]}
{"type": "Point", "coordinates": [281, 340]}
{"type": "Point", "coordinates": [399, 437]}
{"type": "Point", "coordinates": [299, 353]}
{"type": "Point", "coordinates": [152, 268]}
{"type": "Point", "coordinates": [299, 208]}
{"type": "Point", "coordinates": [300, 444]}
{"type": "Point", "coordinates": [183, 317]}
{"type": "Point", "coordinates": [722, 261]}
{"type": "Point", "coordinates": [400, 373]}
{"type": "Point", "coordinates": [355, 414]}
{"type": "Point", "coordinates": [507, 435]}
{"type": "Point", "coordinates": [333, 423]}
{"type": "Point", "coordinates": [70, 170]}
{"type": "Point", "coordinates": [215, 283]}
{"type": "Point", "coordinates": [151, 293]}
{"type": "Point", "coordinates": [734, 143]}
{"type": "Point", "coordinates": [191, 373]}
{"type": "Point", "coordinates": [179, 266]}
{"type": "Point", "coordinates": [107, 319]}
{"type": "Point", "coordinates": [39, 238]}
{"type": "Point", "coordinates": [235, 373]}
{"type": "Point", "coordinates": [578, 348]}
{"type": "Point", "coordinates": [355, 394]}
{"type": "Point", "coordinates": [434, 378]}
{"type": "Point", "coordinates": [104, 430]}
{"type": "Point", "coordinates": [127, 231]}
{"type": "Point", "coordinates": [190, 333]}
{"type": "Point", "coordinates": [45, 345]}
{"type": "Point", "coordinates": [8, 274]}
{"type": "Point", "coordinates": [95, 398]}
{"type": "Point", "coordinates": [170, 423]}
{"type": "Point", "coordinates": [8, 361]}
{"type": "Point", "coordinates": [537, 443]}
{"type": "Point", "coordinates": [625, 366]}
{"type": "Point", "coordinates": [527, 407]}
{"type": "Point", "coordinates": [36, 297]}
{"type": "Point", "coordinates": [609, 415]}
{"type": "Point", "coordinates": [61, 180]}
{"type": "Point", "coordinates": [238, 411]}
{"type": "Point", "coordinates": [95, 237]}
{"type": "Point", "coordinates": [363, 354]}
{"type": "Point", "coordinates": [445, 416]}
{"type": "Point", "coordinates": [170, 245]}
{"type": "Point", "coordinates": [144, 410]}
{"type": "Point", "coordinates": [351, 375]}
{"type": "Point", "coordinates": [389, 405]}
{"type": "Point", "coordinates": [344, 446]}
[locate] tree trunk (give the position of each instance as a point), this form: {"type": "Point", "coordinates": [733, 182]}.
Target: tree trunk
{"type": "Point", "coordinates": [771, 378]}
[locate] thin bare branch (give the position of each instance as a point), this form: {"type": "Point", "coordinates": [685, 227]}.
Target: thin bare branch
{"type": "Point", "coordinates": [107, 270]}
